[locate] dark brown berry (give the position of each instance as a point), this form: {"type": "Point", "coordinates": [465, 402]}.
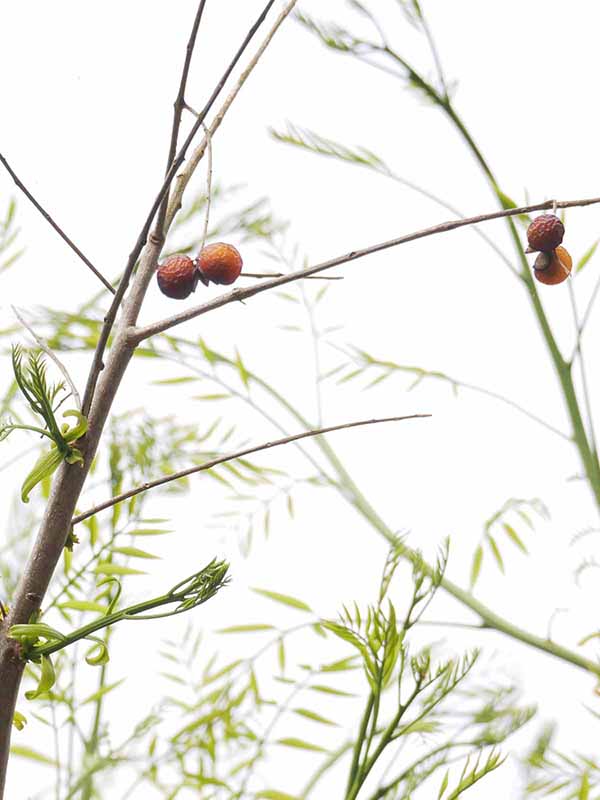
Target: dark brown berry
{"type": "Point", "coordinates": [545, 233]}
{"type": "Point", "coordinates": [177, 277]}
{"type": "Point", "coordinates": [552, 268]}
{"type": "Point", "coordinates": [220, 263]}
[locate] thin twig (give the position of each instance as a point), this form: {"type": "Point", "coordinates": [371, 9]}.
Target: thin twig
{"type": "Point", "coordinates": [435, 54]}
{"type": "Point", "coordinates": [97, 363]}
{"type": "Point", "coordinates": [456, 384]}
{"type": "Point", "coordinates": [318, 146]}
{"type": "Point", "coordinates": [513, 404]}
{"type": "Point", "coordinates": [479, 626]}
{"type": "Point", "coordinates": [280, 274]}
{"type": "Point", "coordinates": [55, 225]}
{"type": "Point", "coordinates": [209, 173]}
{"type": "Point", "coordinates": [259, 408]}
{"type": "Point", "coordinates": [43, 346]}
{"type": "Point", "coordinates": [179, 105]}
{"type": "Point", "coordinates": [236, 295]}
{"type": "Point", "coordinates": [231, 457]}
{"type": "Point", "coordinates": [190, 167]}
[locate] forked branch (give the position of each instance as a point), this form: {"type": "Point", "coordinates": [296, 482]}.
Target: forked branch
{"type": "Point", "coordinates": [139, 334]}
{"type": "Point", "coordinates": [97, 363]}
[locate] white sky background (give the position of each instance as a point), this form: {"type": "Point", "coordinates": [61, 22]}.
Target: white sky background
{"type": "Point", "coordinates": [86, 102]}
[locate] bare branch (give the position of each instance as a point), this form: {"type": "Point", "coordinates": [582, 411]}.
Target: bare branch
{"type": "Point", "coordinates": [184, 178]}
{"type": "Point", "coordinates": [55, 225]}
{"type": "Point", "coordinates": [280, 274]}
{"type": "Point", "coordinates": [97, 363]}
{"type": "Point", "coordinates": [209, 175]}
{"type": "Point", "coordinates": [179, 105]}
{"type": "Point", "coordinates": [239, 294]}
{"type": "Point", "coordinates": [231, 457]}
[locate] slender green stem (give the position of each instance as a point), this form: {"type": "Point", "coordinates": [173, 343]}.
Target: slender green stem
{"type": "Point", "coordinates": [443, 748]}
{"type": "Point", "coordinates": [57, 758]}
{"type": "Point", "coordinates": [374, 718]}
{"type": "Point", "coordinates": [562, 368]}
{"type": "Point", "coordinates": [70, 698]}
{"type": "Point", "coordinates": [582, 371]}
{"type": "Point", "coordinates": [325, 766]}
{"type": "Point", "coordinates": [33, 428]}
{"type": "Point", "coordinates": [489, 618]}
{"type": "Point", "coordinates": [264, 739]}
{"type": "Point", "coordinates": [386, 738]}
{"type": "Point", "coordinates": [188, 593]}
{"type": "Point", "coordinates": [91, 746]}
{"type": "Point", "coordinates": [358, 745]}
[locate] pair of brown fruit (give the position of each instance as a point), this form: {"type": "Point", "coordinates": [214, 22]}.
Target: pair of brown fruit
{"type": "Point", "coordinates": [553, 263]}
{"type": "Point", "coordinates": [179, 275]}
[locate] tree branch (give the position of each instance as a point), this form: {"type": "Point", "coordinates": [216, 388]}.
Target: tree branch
{"type": "Point", "coordinates": [55, 225]}
{"type": "Point", "coordinates": [184, 178]}
{"type": "Point", "coordinates": [231, 457]}
{"type": "Point", "coordinates": [69, 480]}
{"type": "Point", "coordinates": [243, 294]}
{"type": "Point", "coordinates": [110, 317]}
{"type": "Point", "coordinates": [179, 106]}
{"type": "Point", "coordinates": [279, 274]}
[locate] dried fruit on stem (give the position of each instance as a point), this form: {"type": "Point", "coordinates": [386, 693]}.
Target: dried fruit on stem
{"type": "Point", "coordinates": [220, 263]}
{"type": "Point", "coordinates": [545, 233]}
{"type": "Point", "coordinates": [554, 267]}
{"type": "Point", "coordinates": [177, 277]}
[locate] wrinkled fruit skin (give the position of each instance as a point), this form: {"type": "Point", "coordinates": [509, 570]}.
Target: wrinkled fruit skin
{"type": "Point", "coordinates": [177, 277]}
{"type": "Point", "coordinates": [554, 267]}
{"type": "Point", "coordinates": [220, 263]}
{"type": "Point", "coordinates": [545, 233]}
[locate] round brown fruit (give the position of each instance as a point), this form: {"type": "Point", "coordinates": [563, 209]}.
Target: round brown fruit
{"type": "Point", "coordinates": [545, 233]}
{"type": "Point", "coordinates": [177, 277]}
{"type": "Point", "coordinates": [220, 263]}
{"type": "Point", "coordinates": [552, 268]}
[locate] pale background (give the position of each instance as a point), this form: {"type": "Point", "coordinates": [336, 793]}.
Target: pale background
{"type": "Point", "coordinates": [86, 104]}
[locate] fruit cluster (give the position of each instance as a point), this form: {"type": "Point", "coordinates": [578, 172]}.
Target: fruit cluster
{"type": "Point", "coordinates": [179, 275]}
{"type": "Point", "coordinates": [544, 236]}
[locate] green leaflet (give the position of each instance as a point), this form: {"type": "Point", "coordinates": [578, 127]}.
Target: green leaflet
{"type": "Point", "coordinates": [97, 655]}
{"type": "Point", "coordinates": [44, 467]}
{"type": "Point", "coordinates": [47, 679]}
{"type": "Point", "coordinates": [48, 462]}
{"type": "Point", "coordinates": [19, 720]}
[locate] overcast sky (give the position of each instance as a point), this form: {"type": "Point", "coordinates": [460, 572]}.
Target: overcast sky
{"type": "Point", "coordinates": [87, 96]}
